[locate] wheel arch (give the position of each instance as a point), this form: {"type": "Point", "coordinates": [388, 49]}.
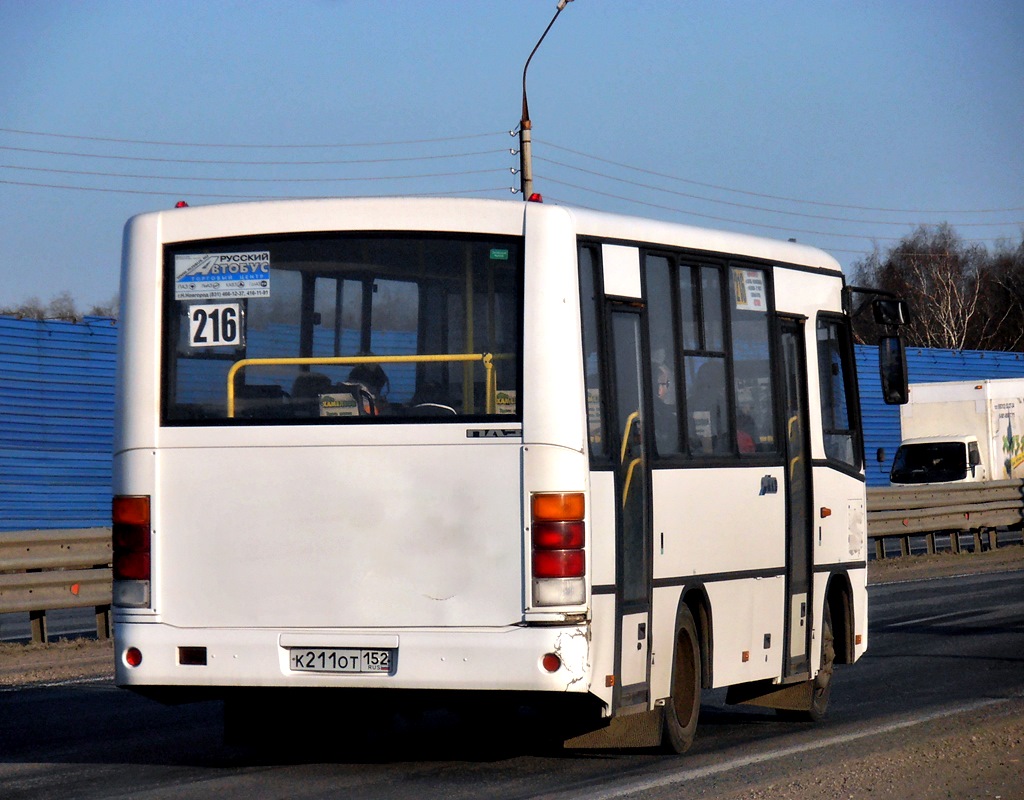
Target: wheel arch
{"type": "Point", "coordinates": [839, 599]}
{"type": "Point", "coordinates": [695, 598]}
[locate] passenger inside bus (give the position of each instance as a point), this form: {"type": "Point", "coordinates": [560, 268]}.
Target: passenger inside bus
{"type": "Point", "coordinates": [745, 440]}
{"type": "Point", "coordinates": [665, 423]}
{"type": "Point", "coordinates": [706, 405]}
{"type": "Point", "coordinates": [375, 381]}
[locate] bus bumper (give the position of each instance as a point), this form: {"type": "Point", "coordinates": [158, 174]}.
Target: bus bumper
{"type": "Point", "coordinates": [513, 658]}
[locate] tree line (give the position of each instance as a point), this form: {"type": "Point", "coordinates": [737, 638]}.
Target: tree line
{"type": "Point", "coordinates": [62, 306]}
{"type": "Point", "coordinates": [961, 295]}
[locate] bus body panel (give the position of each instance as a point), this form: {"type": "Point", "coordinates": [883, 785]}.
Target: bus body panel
{"type": "Point", "coordinates": [344, 214]}
{"type": "Point", "coordinates": [716, 521]}
{"type": "Point", "coordinates": [602, 648]}
{"type": "Point", "coordinates": [137, 389]}
{"type": "Point", "coordinates": [505, 658]}
{"type": "Point", "coordinates": [602, 523]}
{"type": "Point", "coordinates": [602, 225]}
{"type": "Point", "coordinates": [340, 536]}
{"type": "Point", "coordinates": [553, 412]}
{"type": "Point", "coordinates": [842, 526]}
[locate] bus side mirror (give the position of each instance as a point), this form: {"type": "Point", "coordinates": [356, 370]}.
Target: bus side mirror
{"type": "Point", "coordinates": [892, 367]}
{"type": "Point", "coordinates": [890, 312]}
{"type": "Point", "coordinates": [880, 455]}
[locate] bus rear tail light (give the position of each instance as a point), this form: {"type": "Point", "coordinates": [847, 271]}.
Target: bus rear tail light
{"type": "Point", "coordinates": [131, 540]}
{"type": "Point", "coordinates": [558, 557]}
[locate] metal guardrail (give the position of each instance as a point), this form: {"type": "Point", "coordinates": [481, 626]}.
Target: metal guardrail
{"type": "Point", "coordinates": [976, 508]}
{"type": "Point", "coordinates": [44, 571]}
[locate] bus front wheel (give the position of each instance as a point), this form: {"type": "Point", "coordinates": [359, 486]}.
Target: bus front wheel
{"type": "Point", "coordinates": [683, 708]}
{"type": "Point", "coordinates": [821, 685]}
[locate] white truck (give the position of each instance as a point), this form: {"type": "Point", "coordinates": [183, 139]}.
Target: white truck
{"type": "Point", "coordinates": [961, 432]}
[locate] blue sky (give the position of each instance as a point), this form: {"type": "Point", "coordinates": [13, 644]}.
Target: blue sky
{"type": "Point", "coordinates": [843, 125]}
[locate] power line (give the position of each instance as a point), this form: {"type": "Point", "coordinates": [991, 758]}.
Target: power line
{"type": "Point", "coordinates": [207, 162]}
{"type": "Point", "coordinates": [189, 193]}
{"type": "Point", "coordinates": [771, 196]}
{"type": "Point", "coordinates": [250, 145]}
{"type": "Point", "coordinates": [252, 180]}
{"type": "Point", "coordinates": [745, 205]}
{"type": "Point", "coordinates": [728, 220]}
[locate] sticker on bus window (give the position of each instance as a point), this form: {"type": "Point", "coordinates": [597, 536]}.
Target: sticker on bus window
{"type": "Point", "coordinates": [222, 276]}
{"type": "Point", "coordinates": [749, 290]}
{"type": "Point", "coordinates": [338, 405]}
{"type": "Point", "coordinates": [505, 401]}
{"type": "Point", "coordinates": [216, 325]}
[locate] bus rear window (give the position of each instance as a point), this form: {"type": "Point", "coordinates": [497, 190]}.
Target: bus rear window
{"type": "Point", "coordinates": [342, 329]}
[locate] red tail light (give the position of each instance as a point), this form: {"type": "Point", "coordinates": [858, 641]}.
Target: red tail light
{"type": "Point", "coordinates": [558, 564]}
{"type": "Point", "coordinates": [131, 536]}
{"type": "Point", "coordinates": [558, 537]}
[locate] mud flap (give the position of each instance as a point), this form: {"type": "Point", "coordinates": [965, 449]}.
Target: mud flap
{"type": "Point", "coordinates": [631, 730]}
{"type": "Point", "coordinates": [791, 697]}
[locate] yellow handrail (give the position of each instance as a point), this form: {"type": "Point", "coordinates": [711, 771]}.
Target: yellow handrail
{"type": "Point", "coordinates": [629, 479]}
{"type": "Point", "coordinates": [625, 434]}
{"type": "Point", "coordinates": [490, 379]}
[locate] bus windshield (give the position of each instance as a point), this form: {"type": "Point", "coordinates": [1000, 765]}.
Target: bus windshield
{"type": "Point", "coordinates": [340, 329]}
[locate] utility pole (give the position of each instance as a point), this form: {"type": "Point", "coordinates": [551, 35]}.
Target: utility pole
{"type": "Point", "coordinates": [525, 126]}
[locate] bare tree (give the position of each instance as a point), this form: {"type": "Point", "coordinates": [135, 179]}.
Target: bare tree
{"type": "Point", "coordinates": [29, 309]}
{"type": "Point", "coordinates": [107, 309]}
{"type": "Point", "coordinates": [952, 288]}
{"type": "Point", "coordinates": [62, 307]}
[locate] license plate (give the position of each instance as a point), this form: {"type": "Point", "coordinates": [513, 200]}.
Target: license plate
{"type": "Point", "coordinates": [330, 659]}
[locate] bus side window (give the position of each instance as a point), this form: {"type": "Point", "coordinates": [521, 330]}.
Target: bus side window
{"type": "Point", "coordinates": [707, 401]}
{"type": "Point", "coordinates": [588, 263]}
{"type": "Point", "coordinates": [838, 405]}
{"type": "Point", "coordinates": [707, 406]}
{"type": "Point", "coordinates": [751, 352]}
{"type": "Point", "coordinates": [664, 389]}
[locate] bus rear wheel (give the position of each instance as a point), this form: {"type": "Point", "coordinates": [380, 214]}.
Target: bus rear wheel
{"type": "Point", "coordinates": [683, 708]}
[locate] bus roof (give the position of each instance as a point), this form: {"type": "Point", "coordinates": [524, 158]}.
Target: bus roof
{"type": "Point", "coordinates": [463, 214]}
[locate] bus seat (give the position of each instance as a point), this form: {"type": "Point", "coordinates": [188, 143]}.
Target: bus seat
{"type": "Point", "coordinates": [259, 400]}
{"type": "Point", "coordinates": [310, 384]}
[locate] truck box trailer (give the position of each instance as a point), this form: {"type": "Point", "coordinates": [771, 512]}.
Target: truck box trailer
{"type": "Point", "coordinates": [961, 432]}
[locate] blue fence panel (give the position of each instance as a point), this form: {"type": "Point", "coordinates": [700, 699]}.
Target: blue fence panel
{"type": "Point", "coordinates": [57, 422]}
{"type": "Point", "coordinates": [57, 402]}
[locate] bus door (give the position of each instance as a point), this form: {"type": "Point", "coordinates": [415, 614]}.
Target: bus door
{"type": "Point", "coordinates": [798, 499]}
{"type": "Point", "coordinates": [633, 536]}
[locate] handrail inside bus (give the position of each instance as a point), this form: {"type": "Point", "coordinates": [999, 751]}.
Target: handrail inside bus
{"type": "Point", "coordinates": [625, 434]}
{"type": "Point", "coordinates": [632, 419]}
{"type": "Point", "coordinates": [629, 478]}
{"type": "Point", "coordinates": [490, 378]}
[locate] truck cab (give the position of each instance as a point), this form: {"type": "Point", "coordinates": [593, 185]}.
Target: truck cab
{"type": "Point", "coordinates": [937, 459]}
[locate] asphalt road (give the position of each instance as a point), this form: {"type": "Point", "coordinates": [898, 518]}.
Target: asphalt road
{"type": "Point", "coordinates": [938, 648]}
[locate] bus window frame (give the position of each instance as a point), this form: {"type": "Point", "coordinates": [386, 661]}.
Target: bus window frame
{"type": "Point", "coordinates": [852, 387]}
{"type": "Point", "coordinates": [170, 325]}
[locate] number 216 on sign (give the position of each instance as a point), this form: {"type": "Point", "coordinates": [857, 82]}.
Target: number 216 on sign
{"type": "Point", "coordinates": [216, 325]}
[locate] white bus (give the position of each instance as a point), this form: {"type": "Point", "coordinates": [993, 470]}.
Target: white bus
{"type": "Point", "coordinates": [388, 447]}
